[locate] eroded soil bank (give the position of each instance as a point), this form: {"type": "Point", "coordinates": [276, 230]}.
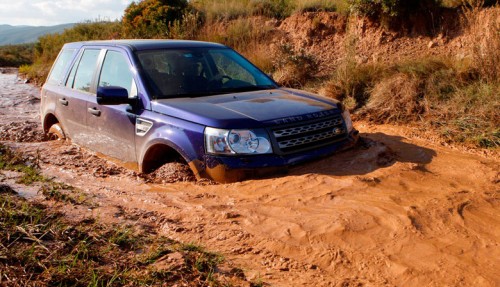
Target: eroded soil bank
{"type": "Point", "coordinates": [394, 211]}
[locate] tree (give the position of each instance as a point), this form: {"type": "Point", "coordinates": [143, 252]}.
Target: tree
{"type": "Point", "coordinates": [152, 18]}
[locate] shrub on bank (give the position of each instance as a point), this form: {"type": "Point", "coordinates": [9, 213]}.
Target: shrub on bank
{"type": "Point", "coordinates": [294, 68]}
{"type": "Point", "coordinates": [16, 55]}
{"type": "Point", "coordinates": [151, 18]}
{"type": "Point", "coordinates": [216, 10]}
{"type": "Point", "coordinates": [443, 94]}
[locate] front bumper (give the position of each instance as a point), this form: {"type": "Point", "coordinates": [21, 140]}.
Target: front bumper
{"type": "Point", "coordinates": [236, 168]}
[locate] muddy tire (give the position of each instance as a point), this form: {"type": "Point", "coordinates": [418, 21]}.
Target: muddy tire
{"type": "Point", "coordinates": [172, 172]}
{"type": "Point", "coordinates": [56, 132]}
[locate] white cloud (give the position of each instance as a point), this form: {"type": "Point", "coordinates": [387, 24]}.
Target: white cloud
{"type": "Point", "coordinates": [46, 12]}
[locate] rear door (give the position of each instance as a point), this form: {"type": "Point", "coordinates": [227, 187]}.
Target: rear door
{"type": "Point", "coordinates": [54, 91]}
{"type": "Point", "coordinates": [80, 88]}
{"type": "Point", "coordinates": [112, 127]}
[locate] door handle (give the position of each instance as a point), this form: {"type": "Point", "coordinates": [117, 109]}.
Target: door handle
{"type": "Point", "coordinates": [63, 102]}
{"type": "Point", "coordinates": [94, 111]}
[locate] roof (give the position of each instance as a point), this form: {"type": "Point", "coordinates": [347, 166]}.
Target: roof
{"type": "Point", "coordinates": [147, 44]}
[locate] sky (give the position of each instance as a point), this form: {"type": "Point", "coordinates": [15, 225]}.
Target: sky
{"type": "Point", "coordinates": [54, 12]}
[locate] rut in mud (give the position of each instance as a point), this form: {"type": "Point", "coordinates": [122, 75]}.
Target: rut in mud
{"type": "Point", "coordinates": [27, 131]}
{"type": "Point", "coordinates": [393, 211]}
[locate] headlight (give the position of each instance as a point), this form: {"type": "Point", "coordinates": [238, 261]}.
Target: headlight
{"type": "Point", "coordinates": [347, 120]}
{"type": "Point", "coordinates": [221, 141]}
{"type": "Point", "coordinates": [346, 116]}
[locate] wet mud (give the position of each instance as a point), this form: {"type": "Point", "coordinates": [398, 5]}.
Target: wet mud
{"type": "Point", "coordinates": [171, 173]}
{"type": "Point", "coordinates": [395, 210]}
{"type": "Point", "coordinates": [27, 131]}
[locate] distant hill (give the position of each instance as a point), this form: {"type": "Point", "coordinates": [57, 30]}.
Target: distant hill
{"type": "Point", "coordinates": [10, 35]}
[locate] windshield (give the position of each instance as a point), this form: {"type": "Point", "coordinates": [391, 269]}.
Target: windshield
{"type": "Point", "coordinates": [173, 73]}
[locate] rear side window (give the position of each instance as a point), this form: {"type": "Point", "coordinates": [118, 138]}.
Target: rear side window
{"type": "Point", "coordinates": [57, 73]}
{"type": "Point", "coordinates": [116, 72]}
{"type": "Point", "coordinates": [81, 75]}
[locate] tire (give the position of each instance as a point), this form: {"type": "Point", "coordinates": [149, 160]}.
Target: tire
{"type": "Point", "coordinates": [56, 132]}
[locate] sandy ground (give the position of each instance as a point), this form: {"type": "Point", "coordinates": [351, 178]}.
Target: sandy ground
{"type": "Point", "coordinates": [394, 211]}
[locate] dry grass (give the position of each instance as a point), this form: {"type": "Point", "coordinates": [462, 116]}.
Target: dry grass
{"type": "Point", "coordinates": [294, 68]}
{"type": "Point", "coordinates": [259, 55]}
{"type": "Point", "coordinates": [485, 38]}
{"type": "Point", "coordinates": [351, 83]}
{"type": "Point", "coordinates": [398, 98]}
{"type": "Point", "coordinates": [223, 9]}
{"type": "Point", "coordinates": [448, 96]}
{"type": "Point", "coordinates": [215, 10]}
{"type": "Point", "coordinates": [320, 5]}
{"type": "Point", "coordinates": [246, 35]}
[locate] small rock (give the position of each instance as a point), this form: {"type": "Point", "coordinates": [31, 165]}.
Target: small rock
{"type": "Point", "coordinates": [6, 189]}
{"type": "Point", "coordinates": [230, 215]}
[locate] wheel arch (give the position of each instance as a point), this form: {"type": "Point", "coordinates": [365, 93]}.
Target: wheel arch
{"type": "Point", "coordinates": [160, 152]}
{"type": "Point", "coordinates": [49, 120]}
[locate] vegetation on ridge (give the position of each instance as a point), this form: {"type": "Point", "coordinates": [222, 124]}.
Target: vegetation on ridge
{"type": "Point", "coordinates": [16, 55]}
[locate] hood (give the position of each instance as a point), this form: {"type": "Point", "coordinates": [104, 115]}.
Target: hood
{"type": "Point", "coordinates": [249, 109]}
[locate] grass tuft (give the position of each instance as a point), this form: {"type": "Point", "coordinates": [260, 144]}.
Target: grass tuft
{"type": "Point", "coordinates": [15, 162]}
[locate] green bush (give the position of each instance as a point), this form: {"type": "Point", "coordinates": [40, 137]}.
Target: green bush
{"type": "Point", "coordinates": [187, 27]}
{"type": "Point", "coordinates": [294, 68]}
{"type": "Point", "coordinates": [272, 8]}
{"type": "Point", "coordinates": [16, 55]}
{"type": "Point", "coordinates": [152, 18]}
{"type": "Point", "coordinates": [390, 8]}
{"type": "Point", "coordinates": [318, 5]}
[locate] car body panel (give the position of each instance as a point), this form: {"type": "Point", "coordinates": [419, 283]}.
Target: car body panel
{"type": "Point", "coordinates": [111, 130]}
{"type": "Point", "coordinates": [250, 109]}
{"type": "Point", "coordinates": [70, 110]}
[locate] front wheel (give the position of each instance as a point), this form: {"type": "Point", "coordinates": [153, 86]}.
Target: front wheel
{"type": "Point", "coordinates": [56, 132]}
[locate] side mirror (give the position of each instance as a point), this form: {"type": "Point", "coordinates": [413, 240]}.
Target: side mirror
{"type": "Point", "coordinates": [112, 96]}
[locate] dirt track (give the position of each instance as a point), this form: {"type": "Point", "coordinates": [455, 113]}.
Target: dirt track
{"type": "Point", "coordinates": [394, 211]}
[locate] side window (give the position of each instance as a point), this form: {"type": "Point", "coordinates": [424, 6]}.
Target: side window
{"type": "Point", "coordinates": [84, 71]}
{"type": "Point", "coordinates": [116, 72]}
{"type": "Point", "coordinates": [57, 73]}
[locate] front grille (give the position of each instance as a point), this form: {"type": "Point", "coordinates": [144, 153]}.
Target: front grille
{"type": "Point", "coordinates": [309, 135]}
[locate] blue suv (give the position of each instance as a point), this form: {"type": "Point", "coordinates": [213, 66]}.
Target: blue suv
{"type": "Point", "coordinates": [151, 102]}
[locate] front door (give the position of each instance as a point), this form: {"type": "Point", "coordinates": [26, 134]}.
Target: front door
{"type": "Point", "coordinates": [112, 127]}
